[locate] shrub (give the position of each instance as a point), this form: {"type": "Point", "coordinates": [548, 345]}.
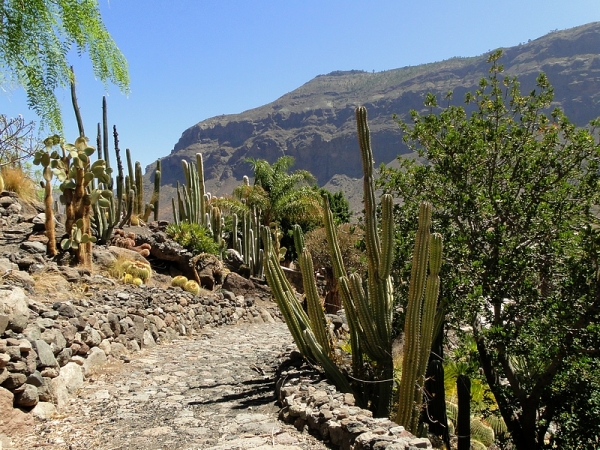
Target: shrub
{"type": "Point", "coordinates": [194, 237]}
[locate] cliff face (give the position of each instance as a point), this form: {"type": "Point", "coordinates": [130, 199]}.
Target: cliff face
{"type": "Point", "coordinates": [315, 123]}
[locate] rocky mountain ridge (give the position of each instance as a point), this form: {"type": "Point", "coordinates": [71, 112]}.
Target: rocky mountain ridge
{"type": "Point", "coordinates": [315, 123]}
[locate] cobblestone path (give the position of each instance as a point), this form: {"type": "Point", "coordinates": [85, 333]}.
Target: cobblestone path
{"type": "Point", "coordinates": [213, 392]}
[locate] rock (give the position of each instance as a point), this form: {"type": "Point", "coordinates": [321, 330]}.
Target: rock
{"type": "Point", "coordinates": [44, 411]}
{"type": "Point", "coordinates": [33, 247]}
{"type": "Point", "coordinates": [71, 376]}
{"type": "Point", "coordinates": [238, 284]}
{"type": "Point", "coordinates": [13, 303]}
{"type": "Point", "coordinates": [55, 339]}
{"type": "Point", "coordinates": [91, 337]}
{"type": "Point", "coordinates": [209, 270]}
{"type": "Point", "coordinates": [13, 421]}
{"type": "Point", "coordinates": [45, 354]}
{"type": "Point", "coordinates": [65, 309]}
{"type": "Point", "coordinates": [14, 380]}
{"type": "Point", "coordinates": [35, 379]}
{"type": "Point", "coordinates": [94, 362]}
{"type": "Point", "coordinates": [64, 356]}
{"type": "Point", "coordinates": [118, 350]}
{"type": "Point", "coordinates": [26, 396]}
{"type": "Point", "coordinates": [148, 340]}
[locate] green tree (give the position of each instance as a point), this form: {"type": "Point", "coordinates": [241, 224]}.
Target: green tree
{"type": "Point", "coordinates": [35, 37]}
{"type": "Point", "coordinates": [338, 203]}
{"type": "Point", "coordinates": [514, 189]}
{"type": "Point", "coordinates": [283, 198]}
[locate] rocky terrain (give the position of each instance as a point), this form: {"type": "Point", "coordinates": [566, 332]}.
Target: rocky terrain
{"type": "Point", "coordinates": [89, 362]}
{"type": "Point", "coordinates": [315, 123]}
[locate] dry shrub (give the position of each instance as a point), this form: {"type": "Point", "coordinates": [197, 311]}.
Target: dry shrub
{"type": "Point", "coordinates": [19, 182]}
{"type": "Point", "coordinates": [50, 284]}
{"type": "Point", "coordinates": [349, 239]}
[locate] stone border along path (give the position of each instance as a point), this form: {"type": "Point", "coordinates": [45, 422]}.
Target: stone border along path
{"type": "Point", "coordinates": [214, 392]}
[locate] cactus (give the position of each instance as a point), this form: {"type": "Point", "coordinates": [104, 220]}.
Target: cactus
{"type": "Point", "coordinates": [481, 432]}
{"type": "Point", "coordinates": [48, 199]}
{"type": "Point", "coordinates": [192, 286]}
{"type": "Point", "coordinates": [249, 245]}
{"type": "Point", "coordinates": [302, 326]}
{"type": "Point", "coordinates": [420, 318]}
{"type": "Point", "coordinates": [463, 420]}
{"type": "Point", "coordinates": [368, 305]}
{"type": "Point", "coordinates": [179, 281]}
{"type": "Point", "coordinates": [194, 203]}
{"type": "Point", "coordinates": [76, 172]}
{"type": "Point", "coordinates": [436, 415]}
{"type": "Point", "coordinates": [138, 269]}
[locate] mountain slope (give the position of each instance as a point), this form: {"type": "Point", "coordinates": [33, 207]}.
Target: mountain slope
{"type": "Point", "coordinates": [315, 123]}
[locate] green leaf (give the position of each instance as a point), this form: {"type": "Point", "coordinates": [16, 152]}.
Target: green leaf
{"type": "Point", "coordinates": [103, 203]}
{"type": "Point", "coordinates": [66, 244]}
{"type": "Point", "coordinates": [89, 151]}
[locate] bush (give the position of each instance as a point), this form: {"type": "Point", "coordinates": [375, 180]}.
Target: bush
{"type": "Point", "coordinates": [194, 237]}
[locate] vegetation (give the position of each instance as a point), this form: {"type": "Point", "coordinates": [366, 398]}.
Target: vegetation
{"type": "Point", "coordinates": [514, 191]}
{"type": "Point", "coordinates": [36, 37]}
{"type": "Point", "coordinates": [367, 303]}
{"type": "Point", "coordinates": [195, 237]}
{"type": "Point", "coordinates": [282, 198]}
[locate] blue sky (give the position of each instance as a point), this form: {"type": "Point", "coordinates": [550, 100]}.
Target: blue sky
{"type": "Point", "coordinates": [190, 60]}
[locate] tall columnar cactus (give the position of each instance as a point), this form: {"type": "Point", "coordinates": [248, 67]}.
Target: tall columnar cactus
{"type": "Point", "coordinates": [308, 330]}
{"type": "Point", "coordinates": [48, 198]}
{"type": "Point", "coordinates": [419, 321]}
{"type": "Point", "coordinates": [252, 252]}
{"type": "Point", "coordinates": [194, 203]}
{"type": "Point", "coordinates": [156, 192]}
{"type": "Point", "coordinates": [368, 305]}
{"type": "Point", "coordinates": [463, 421]}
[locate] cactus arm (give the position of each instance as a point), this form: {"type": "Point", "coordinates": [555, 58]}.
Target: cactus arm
{"type": "Point", "coordinates": [430, 300]}
{"type": "Point", "coordinates": [332, 371]}
{"type": "Point", "coordinates": [156, 193]}
{"type": "Point", "coordinates": [314, 306]}
{"type": "Point", "coordinates": [412, 324]}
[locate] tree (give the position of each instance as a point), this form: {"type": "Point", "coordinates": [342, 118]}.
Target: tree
{"type": "Point", "coordinates": [16, 140]}
{"type": "Point", "coordinates": [338, 203]}
{"type": "Point", "coordinates": [35, 37]}
{"type": "Point", "coordinates": [514, 190]}
{"type": "Point", "coordinates": [283, 198]}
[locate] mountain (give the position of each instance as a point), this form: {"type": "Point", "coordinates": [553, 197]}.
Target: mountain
{"type": "Point", "coordinates": [315, 123]}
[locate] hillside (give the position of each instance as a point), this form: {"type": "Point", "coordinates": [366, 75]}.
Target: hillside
{"type": "Point", "coordinates": [315, 123]}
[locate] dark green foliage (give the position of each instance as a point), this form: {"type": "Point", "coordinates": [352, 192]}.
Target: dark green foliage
{"type": "Point", "coordinates": [194, 237]}
{"type": "Point", "coordinates": [514, 188]}
{"type": "Point", "coordinates": [338, 203]}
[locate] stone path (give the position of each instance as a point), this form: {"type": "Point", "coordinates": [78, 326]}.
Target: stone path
{"type": "Point", "coordinates": [213, 392]}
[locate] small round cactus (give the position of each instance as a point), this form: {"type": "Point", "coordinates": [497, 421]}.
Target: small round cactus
{"type": "Point", "coordinates": [137, 281]}
{"type": "Point", "coordinates": [127, 278]}
{"type": "Point", "coordinates": [179, 281]}
{"type": "Point", "coordinates": [192, 286]}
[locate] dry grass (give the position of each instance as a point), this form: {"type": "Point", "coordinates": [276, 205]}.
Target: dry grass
{"type": "Point", "coordinates": [16, 180]}
{"type": "Point", "coordinates": [49, 283]}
